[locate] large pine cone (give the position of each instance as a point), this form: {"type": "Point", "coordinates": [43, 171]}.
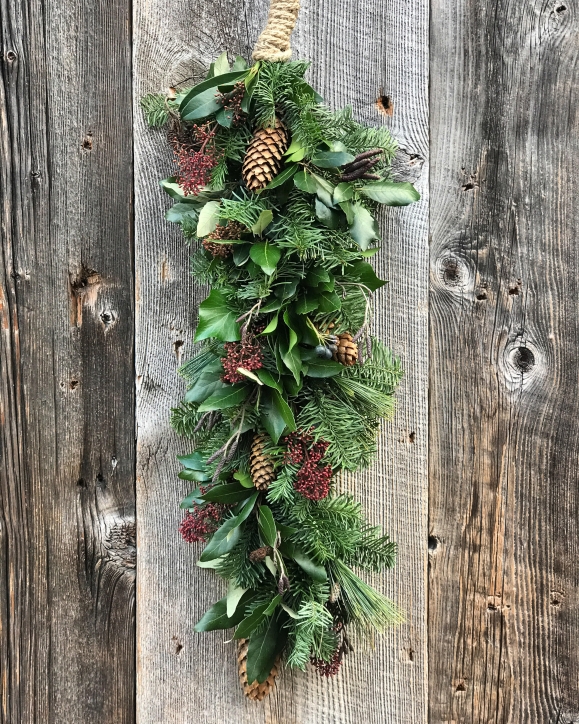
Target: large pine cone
{"type": "Point", "coordinates": [261, 465]}
{"type": "Point", "coordinates": [264, 157]}
{"type": "Point", "coordinates": [232, 230]}
{"type": "Point", "coordinates": [254, 691]}
{"type": "Point", "coordinates": [347, 352]}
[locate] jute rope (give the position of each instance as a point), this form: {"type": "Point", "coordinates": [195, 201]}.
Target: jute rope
{"type": "Point", "coordinates": [274, 42]}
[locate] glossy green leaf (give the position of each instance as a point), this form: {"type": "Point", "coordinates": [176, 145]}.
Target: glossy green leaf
{"type": "Point", "coordinates": [275, 414]}
{"type": "Point", "coordinates": [208, 218]}
{"type": "Point", "coordinates": [202, 105]}
{"type": "Point", "coordinates": [331, 159]}
{"type": "Point", "coordinates": [197, 475]}
{"type": "Point", "coordinates": [391, 193]}
{"type": "Point", "coordinates": [304, 181]}
{"type": "Point", "coordinates": [264, 220]}
{"type": "Point", "coordinates": [190, 102]}
{"type": "Point", "coordinates": [234, 596]}
{"type": "Point", "coordinates": [216, 617]}
{"type": "Point", "coordinates": [241, 254]}
{"type": "Point", "coordinates": [316, 276]}
{"type": "Point", "coordinates": [251, 622]}
{"type": "Point", "coordinates": [267, 527]}
{"type": "Point", "coordinates": [193, 497]}
{"type": "Point", "coordinates": [271, 306]}
{"type": "Point", "coordinates": [221, 65]}
{"type": "Point", "coordinates": [343, 192]}
{"type": "Point", "coordinates": [282, 177]}
{"type": "Point", "coordinates": [307, 303]}
{"type": "Point", "coordinates": [285, 290]}
{"type": "Point", "coordinates": [180, 212]}
{"type": "Point", "coordinates": [364, 273]}
{"type": "Point", "coordinates": [216, 320]}
{"type": "Point", "coordinates": [348, 209]}
{"type": "Point", "coordinates": [193, 461]}
{"type": "Point", "coordinates": [268, 379]}
{"type": "Point", "coordinates": [265, 255]}
{"type": "Point", "coordinates": [328, 301]}
{"type": "Point", "coordinates": [262, 651]}
{"type": "Point", "coordinates": [324, 190]}
{"type": "Point", "coordinates": [223, 540]}
{"type": "Point", "coordinates": [224, 117]}
{"type": "Point", "coordinates": [224, 398]}
{"type": "Point", "coordinates": [364, 229]}
{"type": "Point", "coordinates": [314, 570]}
{"type": "Point", "coordinates": [243, 478]}
{"type": "Point", "coordinates": [226, 493]}
{"type": "Point", "coordinates": [328, 217]}
{"type": "Point", "coordinates": [171, 187]}
{"type": "Point", "coordinates": [320, 367]}
{"type": "Point", "coordinates": [206, 383]}
{"type": "Point", "coordinates": [239, 64]}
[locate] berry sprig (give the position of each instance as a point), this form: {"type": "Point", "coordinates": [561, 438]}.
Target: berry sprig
{"type": "Point", "coordinates": [195, 166]}
{"type": "Point", "coordinates": [313, 478]}
{"type": "Point", "coordinates": [202, 520]}
{"type": "Point", "coordinates": [245, 355]}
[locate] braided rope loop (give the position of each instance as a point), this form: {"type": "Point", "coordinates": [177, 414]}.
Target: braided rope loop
{"type": "Point", "coordinates": [274, 42]}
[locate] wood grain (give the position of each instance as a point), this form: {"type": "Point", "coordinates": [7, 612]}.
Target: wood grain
{"type": "Point", "coordinates": [360, 52]}
{"type": "Point", "coordinates": [67, 534]}
{"type": "Point", "coordinates": [504, 500]}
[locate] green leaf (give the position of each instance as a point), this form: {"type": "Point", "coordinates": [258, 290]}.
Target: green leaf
{"type": "Point", "coordinates": [206, 383]}
{"type": "Point", "coordinates": [272, 326]}
{"type": "Point", "coordinates": [282, 177]}
{"type": "Point", "coordinates": [316, 276]}
{"type": "Point", "coordinates": [234, 596]}
{"type": "Point", "coordinates": [243, 478]}
{"type": "Point", "coordinates": [272, 306]}
{"type": "Point", "coordinates": [221, 65]}
{"type": "Point", "coordinates": [216, 617]}
{"type": "Point", "coordinates": [391, 193]}
{"type": "Point", "coordinates": [193, 497]}
{"type": "Point", "coordinates": [171, 187]}
{"type": "Point", "coordinates": [216, 320]}
{"type": "Point", "coordinates": [323, 368]}
{"type": "Point", "coordinates": [285, 290]}
{"type": "Point", "coordinates": [193, 461]}
{"type": "Point", "coordinates": [262, 652]}
{"type": "Point", "coordinates": [223, 399]}
{"type": "Point", "coordinates": [364, 229]}
{"type": "Point", "coordinates": [190, 103]}
{"type": "Point", "coordinates": [348, 209]}
{"type": "Point", "coordinates": [267, 526]}
{"type": "Point", "coordinates": [208, 218]}
{"type": "Point", "coordinates": [307, 303]}
{"type": "Point", "coordinates": [332, 159]}
{"type": "Point", "coordinates": [328, 301]}
{"type": "Point", "coordinates": [324, 190]}
{"type": "Point", "coordinates": [180, 211]}
{"type": "Point", "coordinates": [265, 255]}
{"type": "Point", "coordinates": [226, 493]}
{"type": "Point", "coordinates": [241, 254]}
{"type": "Point", "coordinates": [291, 358]}
{"type": "Point", "coordinates": [198, 475]}
{"type": "Point", "coordinates": [290, 323]}
{"type": "Point", "coordinates": [305, 182]}
{"type": "Point", "coordinates": [328, 217]}
{"type": "Point", "coordinates": [343, 192]}
{"type": "Point", "coordinates": [252, 621]}
{"type": "Point", "coordinates": [275, 414]}
{"type": "Point", "coordinates": [264, 220]}
{"type": "Point", "coordinates": [224, 117]}
{"type": "Point", "coordinates": [223, 540]}
{"type": "Point", "coordinates": [202, 105]}
{"type": "Point", "coordinates": [239, 64]}
{"type": "Point", "coordinates": [364, 272]}
{"type": "Point", "coordinates": [268, 379]}
{"type": "Point", "coordinates": [249, 374]}
{"type": "Point", "coordinates": [314, 570]}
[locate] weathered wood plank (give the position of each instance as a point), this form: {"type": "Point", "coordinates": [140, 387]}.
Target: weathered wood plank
{"type": "Point", "coordinates": [359, 53]}
{"type": "Point", "coordinates": [66, 364]}
{"type": "Point", "coordinates": [504, 583]}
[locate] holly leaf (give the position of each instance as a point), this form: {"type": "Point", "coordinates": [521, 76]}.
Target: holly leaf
{"type": "Point", "coordinates": [276, 414]}
{"type": "Point", "coordinates": [264, 220]}
{"type": "Point", "coordinates": [216, 617]}
{"type": "Point", "coordinates": [216, 320]}
{"type": "Point", "coordinates": [331, 159]}
{"type": "Point", "coordinates": [265, 255]}
{"type": "Point", "coordinates": [305, 182]}
{"type": "Point", "coordinates": [267, 526]}
{"type": "Point", "coordinates": [391, 193]}
{"type": "Point", "coordinates": [282, 177]}
{"type": "Point", "coordinates": [223, 399]}
{"type": "Point", "coordinates": [364, 272]}
{"type": "Point", "coordinates": [364, 229]}
{"type": "Point", "coordinates": [208, 218]}
{"type": "Point", "coordinates": [262, 651]}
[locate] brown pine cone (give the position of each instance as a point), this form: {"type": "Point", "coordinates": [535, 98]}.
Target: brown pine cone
{"type": "Point", "coordinates": [260, 464]}
{"type": "Point", "coordinates": [264, 157]}
{"type": "Point", "coordinates": [253, 690]}
{"type": "Point", "coordinates": [347, 352]}
{"type": "Point", "coordinates": [232, 230]}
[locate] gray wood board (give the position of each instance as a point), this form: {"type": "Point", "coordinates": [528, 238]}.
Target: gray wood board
{"type": "Point", "coordinates": [359, 53]}
{"type": "Point", "coordinates": [504, 499]}
{"type": "Point", "coordinates": [67, 534]}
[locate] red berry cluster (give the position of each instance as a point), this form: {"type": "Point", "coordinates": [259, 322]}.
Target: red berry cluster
{"type": "Point", "coordinates": [195, 166]}
{"type": "Point", "coordinates": [313, 478]}
{"type": "Point", "coordinates": [202, 521]}
{"type": "Point", "coordinates": [232, 101]}
{"type": "Point", "coordinates": [246, 354]}
{"type": "Point", "coordinates": [328, 668]}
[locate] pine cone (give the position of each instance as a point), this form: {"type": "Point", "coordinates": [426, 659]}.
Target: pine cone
{"type": "Point", "coordinates": [261, 465]}
{"type": "Point", "coordinates": [232, 230]}
{"type": "Point", "coordinates": [264, 157]}
{"type": "Point", "coordinates": [347, 352]}
{"type": "Point", "coordinates": [253, 690]}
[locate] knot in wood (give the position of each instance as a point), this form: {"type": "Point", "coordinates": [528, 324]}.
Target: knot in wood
{"type": "Point", "coordinates": [121, 544]}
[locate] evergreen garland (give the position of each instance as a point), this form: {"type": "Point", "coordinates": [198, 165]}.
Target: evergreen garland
{"type": "Point", "coordinates": [276, 194]}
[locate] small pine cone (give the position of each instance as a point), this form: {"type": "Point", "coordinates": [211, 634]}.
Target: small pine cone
{"type": "Point", "coordinates": [264, 156]}
{"type": "Point", "coordinates": [260, 554]}
{"type": "Point", "coordinates": [232, 230]}
{"type": "Point", "coordinates": [347, 352]}
{"type": "Point", "coordinates": [254, 691]}
{"type": "Point", "coordinates": [261, 466]}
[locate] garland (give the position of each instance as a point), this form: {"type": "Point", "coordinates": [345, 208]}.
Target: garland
{"type": "Point", "coordinates": [288, 388]}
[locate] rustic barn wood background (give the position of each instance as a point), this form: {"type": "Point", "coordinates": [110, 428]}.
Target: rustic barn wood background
{"type": "Point", "coordinates": [477, 477]}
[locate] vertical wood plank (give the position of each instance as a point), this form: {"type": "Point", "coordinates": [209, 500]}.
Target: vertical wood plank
{"type": "Point", "coordinates": [359, 53]}
{"type": "Point", "coordinates": [67, 534]}
{"type": "Point", "coordinates": [504, 583]}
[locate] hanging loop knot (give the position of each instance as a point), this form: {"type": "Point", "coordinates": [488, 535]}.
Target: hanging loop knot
{"type": "Point", "coordinates": [274, 42]}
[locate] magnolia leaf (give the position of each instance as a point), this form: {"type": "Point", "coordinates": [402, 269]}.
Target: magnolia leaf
{"type": "Point", "coordinates": [251, 622]}
{"type": "Point", "coordinates": [391, 193]}
{"type": "Point", "coordinates": [332, 159]}
{"type": "Point", "coordinates": [193, 461]}
{"type": "Point", "coordinates": [223, 399]}
{"type": "Point", "coordinates": [291, 359]}
{"type": "Point", "coordinates": [202, 105]}
{"type": "Point", "coordinates": [262, 652]}
{"type": "Point", "coordinates": [272, 326]}
{"type": "Point", "coordinates": [223, 540]}
{"type": "Point", "coordinates": [216, 617]}
{"type": "Point", "coordinates": [224, 117]}
{"type": "Point", "coordinates": [265, 255]}
{"type": "Point", "coordinates": [267, 526]}
{"type": "Point", "coordinates": [190, 102]}
{"type": "Point", "coordinates": [264, 220]}
{"type": "Point", "coordinates": [304, 181]}
{"type": "Point", "coordinates": [226, 493]}
{"type": "Point", "coordinates": [216, 320]}
{"type": "Point", "coordinates": [208, 218]}
{"type": "Point", "coordinates": [171, 187]}
{"type": "Point", "coordinates": [282, 177]}
{"type": "Point", "coordinates": [364, 272]}
{"type": "Point", "coordinates": [275, 414]}
{"type": "Point", "coordinates": [316, 571]}
{"type": "Point", "coordinates": [215, 563]}
{"type": "Point", "coordinates": [234, 596]}
{"type": "Point", "coordinates": [198, 475]}
{"type": "Point", "coordinates": [364, 229]}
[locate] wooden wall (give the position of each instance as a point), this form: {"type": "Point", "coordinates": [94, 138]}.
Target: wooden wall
{"type": "Point", "coordinates": [476, 477]}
